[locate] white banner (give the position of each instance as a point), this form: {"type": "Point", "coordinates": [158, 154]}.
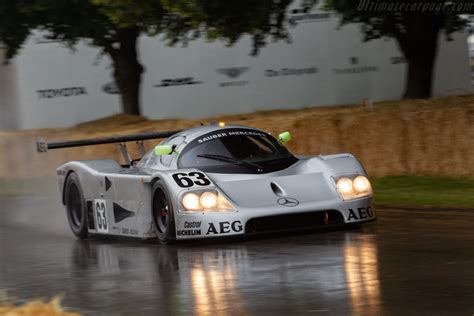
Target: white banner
{"type": "Point", "coordinates": [323, 65]}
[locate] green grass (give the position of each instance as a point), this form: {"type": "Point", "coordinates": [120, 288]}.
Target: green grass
{"type": "Point", "coordinates": [393, 191]}
{"type": "Point", "coordinates": [424, 191]}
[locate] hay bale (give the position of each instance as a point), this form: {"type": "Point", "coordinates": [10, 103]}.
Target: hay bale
{"type": "Point", "coordinates": [430, 137]}
{"type": "Point", "coordinates": [36, 308]}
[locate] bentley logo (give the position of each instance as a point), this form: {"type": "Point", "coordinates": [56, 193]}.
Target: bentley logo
{"type": "Point", "coordinates": [289, 202]}
{"type": "Point", "coordinates": [232, 72]}
{"type": "Point", "coordinates": [354, 60]}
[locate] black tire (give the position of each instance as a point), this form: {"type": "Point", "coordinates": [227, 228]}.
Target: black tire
{"type": "Point", "coordinates": [75, 206]}
{"type": "Point", "coordinates": [163, 213]}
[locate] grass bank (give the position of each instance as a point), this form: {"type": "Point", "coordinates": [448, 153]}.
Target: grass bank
{"type": "Point", "coordinates": [396, 191]}
{"type": "Point", "coordinates": [424, 191]}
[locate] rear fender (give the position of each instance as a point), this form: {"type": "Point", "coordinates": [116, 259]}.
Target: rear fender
{"type": "Point", "coordinates": [87, 171]}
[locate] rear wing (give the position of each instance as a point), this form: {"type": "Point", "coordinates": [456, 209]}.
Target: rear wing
{"type": "Point", "coordinates": [43, 146]}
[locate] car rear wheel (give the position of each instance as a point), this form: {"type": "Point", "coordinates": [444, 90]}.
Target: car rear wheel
{"type": "Point", "coordinates": [163, 215]}
{"type": "Point", "coordinates": [75, 206]}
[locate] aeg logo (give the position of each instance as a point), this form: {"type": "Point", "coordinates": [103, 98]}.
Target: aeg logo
{"type": "Point", "coordinates": [361, 213]}
{"type": "Point", "coordinates": [225, 228]}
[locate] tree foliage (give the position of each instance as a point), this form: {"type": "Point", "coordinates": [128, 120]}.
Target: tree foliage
{"type": "Point", "coordinates": [390, 18]}
{"type": "Point", "coordinates": [414, 25]}
{"type": "Point", "coordinates": [227, 20]}
{"type": "Point", "coordinates": [115, 26]}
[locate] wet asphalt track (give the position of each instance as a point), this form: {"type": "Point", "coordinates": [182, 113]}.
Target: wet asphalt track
{"type": "Point", "coordinates": [407, 263]}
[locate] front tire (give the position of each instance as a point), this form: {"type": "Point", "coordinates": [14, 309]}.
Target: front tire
{"type": "Point", "coordinates": [163, 214]}
{"type": "Point", "coordinates": [75, 206]}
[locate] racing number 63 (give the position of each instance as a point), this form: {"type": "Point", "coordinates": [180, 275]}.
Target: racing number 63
{"type": "Point", "coordinates": [101, 216]}
{"type": "Point", "coordinates": [187, 180]}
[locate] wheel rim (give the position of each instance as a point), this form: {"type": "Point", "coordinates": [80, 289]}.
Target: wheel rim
{"type": "Point", "coordinates": [75, 205]}
{"type": "Point", "coordinates": [162, 211]}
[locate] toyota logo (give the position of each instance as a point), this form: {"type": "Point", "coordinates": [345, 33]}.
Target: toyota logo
{"type": "Point", "coordinates": [289, 202]}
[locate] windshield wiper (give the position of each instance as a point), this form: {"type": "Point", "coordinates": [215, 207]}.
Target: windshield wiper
{"type": "Point", "coordinates": [231, 160]}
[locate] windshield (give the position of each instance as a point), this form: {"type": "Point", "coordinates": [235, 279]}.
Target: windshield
{"type": "Point", "coordinates": [236, 151]}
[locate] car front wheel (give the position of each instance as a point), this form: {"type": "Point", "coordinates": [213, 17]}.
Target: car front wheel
{"type": "Point", "coordinates": [163, 215]}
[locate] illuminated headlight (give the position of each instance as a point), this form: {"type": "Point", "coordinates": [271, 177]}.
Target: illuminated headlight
{"type": "Point", "coordinates": [344, 185]}
{"type": "Point", "coordinates": [361, 184]}
{"type": "Point", "coordinates": [191, 202]}
{"type": "Point", "coordinates": [206, 201]}
{"type": "Point", "coordinates": [353, 187]}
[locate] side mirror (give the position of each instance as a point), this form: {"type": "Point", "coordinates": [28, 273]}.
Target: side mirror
{"type": "Point", "coordinates": [284, 138]}
{"type": "Point", "coordinates": [163, 150]}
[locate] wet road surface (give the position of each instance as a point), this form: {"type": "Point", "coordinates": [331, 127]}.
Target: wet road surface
{"type": "Point", "coordinates": [407, 263]}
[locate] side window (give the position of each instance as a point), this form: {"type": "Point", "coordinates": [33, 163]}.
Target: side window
{"type": "Point", "coordinates": [167, 159]}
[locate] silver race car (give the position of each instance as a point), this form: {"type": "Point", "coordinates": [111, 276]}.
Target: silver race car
{"type": "Point", "coordinates": [210, 181]}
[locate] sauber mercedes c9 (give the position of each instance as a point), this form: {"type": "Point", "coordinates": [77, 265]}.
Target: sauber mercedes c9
{"type": "Point", "coordinates": [210, 181]}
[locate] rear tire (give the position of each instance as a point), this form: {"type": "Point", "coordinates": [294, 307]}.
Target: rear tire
{"type": "Point", "coordinates": [163, 214]}
{"type": "Point", "coordinates": [75, 206]}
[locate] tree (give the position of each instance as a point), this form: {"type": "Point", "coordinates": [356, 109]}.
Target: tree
{"type": "Point", "coordinates": [414, 25]}
{"type": "Point", "coordinates": [115, 26]}
{"type": "Point", "coordinates": [15, 26]}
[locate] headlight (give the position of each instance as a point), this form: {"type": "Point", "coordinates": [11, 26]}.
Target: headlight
{"type": "Point", "coordinates": [191, 201]}
{"type": "Point", "coordinates": [206, 201]}
{"type": "Point", "coordinates": [344, 185]}
{"type": "Point", "coordinates": [353, 187]}
{"type": "Point", "coordinates": [361, 184]}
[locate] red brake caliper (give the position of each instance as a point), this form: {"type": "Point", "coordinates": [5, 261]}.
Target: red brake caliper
{"type": "Point", "coordinates": [326, 218]}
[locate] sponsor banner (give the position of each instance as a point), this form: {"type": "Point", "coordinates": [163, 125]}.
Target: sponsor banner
{"type": "Point", "coordinates": [322, 65]}
{"type": "Point", "coordinates": [397, 60]}
{"type": "Point", "coordinates": [192, 227]}
{"type": "Point", "coordinates": [62, 92]}
{"type": "Point", "coordinates": [233, 73]}
{"type": "Point", "coordinates": [177, 82]}
{"type": "Point", "coordinates": [307, 14]}
{"type": "Point", "coordinates": [230, 132]}
{"type": "Point", "coordinates": [360, 213]}
{"type": "Point", "coordinates": [111, 88]}
{"type": "Point", "coordinates": [129, 231]}
{"type": "Point", "coordinates": [291, 71]}
{"type": "Point", "coordinates": [355, 68]}
{"type": "Point", "coordinates": [224, 228]}
{"type": "Point", "coordinates": [40, 39]}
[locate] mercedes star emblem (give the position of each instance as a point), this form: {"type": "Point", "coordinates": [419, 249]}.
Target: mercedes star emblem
{"type": "Point", "coordinates": [289, 202]}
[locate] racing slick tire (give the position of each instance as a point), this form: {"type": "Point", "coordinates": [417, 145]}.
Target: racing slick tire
{"type": "Point", "coordinates": [163, 214]}
{"type": "Point", "coordinates": [75, 206]}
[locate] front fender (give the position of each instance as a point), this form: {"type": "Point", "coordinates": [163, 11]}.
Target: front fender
{"type": "Point", "coordinates": [179, 181]}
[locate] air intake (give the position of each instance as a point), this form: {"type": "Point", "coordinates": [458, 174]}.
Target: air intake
{"type": "Point", "coordinates": [277, 189]}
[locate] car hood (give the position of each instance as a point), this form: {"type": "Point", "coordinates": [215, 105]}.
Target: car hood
{"type": "Point", "coordinates": [298, 182]}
